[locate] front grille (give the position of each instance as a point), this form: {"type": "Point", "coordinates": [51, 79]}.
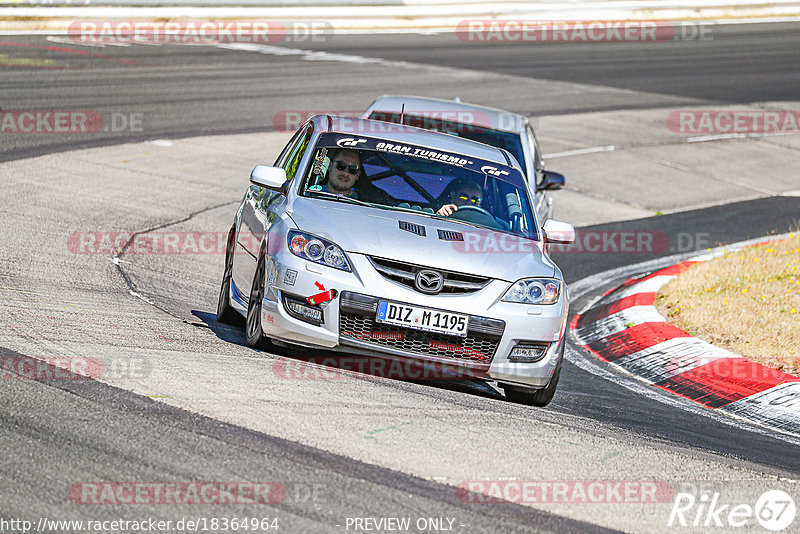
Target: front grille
{"type": "Point", "coordinates": [357, 322]}
{"type": "Point", "coordinates": [404, 273]}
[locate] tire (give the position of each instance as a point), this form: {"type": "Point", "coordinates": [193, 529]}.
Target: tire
{"type": "Point", "coordinates": [225, 312]}
{"type": "Point", "coordinates": [534, 397]}
{"type": "Point", "coordinates": [253, 333]}
{"type": "Point", "coordinates": [537, 397]}
{"type": "Point", "coordinates": [289, 349]}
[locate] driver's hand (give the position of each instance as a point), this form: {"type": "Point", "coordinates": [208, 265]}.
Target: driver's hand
{"type": "Point", "coordinates": [447, 210]}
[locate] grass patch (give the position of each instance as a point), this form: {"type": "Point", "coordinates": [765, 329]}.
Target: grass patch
{"type": "Point", "coordinates": [746, 301]}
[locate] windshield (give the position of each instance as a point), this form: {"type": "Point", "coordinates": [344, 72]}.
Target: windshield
{"type": "Point", "coordinates": [403, 177]}
{"type": "Point", "coordinates": [496, 138]}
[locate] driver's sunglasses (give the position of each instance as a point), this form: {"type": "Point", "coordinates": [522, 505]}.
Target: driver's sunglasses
{"type": "Point", "coordinates": [471, 200]}
{"type": "Point", "coordinates": [351, 169]}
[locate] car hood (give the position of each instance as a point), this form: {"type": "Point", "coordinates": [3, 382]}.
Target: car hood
{"type": "Point", "coordinates": [376, 232]}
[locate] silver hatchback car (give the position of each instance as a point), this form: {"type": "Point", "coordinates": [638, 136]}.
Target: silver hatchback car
{"type": "Point", "coordinates": [492, 126]}
{"type": "Point", "coordinates": [374, 238]}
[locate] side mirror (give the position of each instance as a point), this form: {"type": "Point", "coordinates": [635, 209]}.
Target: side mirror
{"type": "Point", "coordinates": [273, 178]}
{"type": "Point", "coordinates": [552, 181]}
{"type": "Point", "coordinates": [558, 232]}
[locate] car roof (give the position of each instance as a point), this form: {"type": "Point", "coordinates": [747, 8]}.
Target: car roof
{"type": "Point", "coordinates": [488, 117]}
{"type": "Point", "coordinates": [417, 136]}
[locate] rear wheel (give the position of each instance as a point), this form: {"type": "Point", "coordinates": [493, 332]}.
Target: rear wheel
{"type": "Point", "coordinates": [252, 329]}
{"type": "Point", "coordinates": [225, 312]}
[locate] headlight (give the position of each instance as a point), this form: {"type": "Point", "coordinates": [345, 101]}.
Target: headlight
{"type": "Point", "coordinates": [313, 248]}
{"type": "Point", "coordinates": [534, 291]}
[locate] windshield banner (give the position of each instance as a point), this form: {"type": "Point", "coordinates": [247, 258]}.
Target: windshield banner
{"type": "Point", "coordinates": [357, 142]}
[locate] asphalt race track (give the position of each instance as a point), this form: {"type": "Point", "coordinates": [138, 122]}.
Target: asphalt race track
{"type": "Point", "coordinates": [201, 406]}
{"type": "Point", "coordinates": [200, 90]}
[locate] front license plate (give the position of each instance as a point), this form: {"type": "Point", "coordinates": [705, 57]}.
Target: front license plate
{"type": "Point", "coordinates": [420, 318]}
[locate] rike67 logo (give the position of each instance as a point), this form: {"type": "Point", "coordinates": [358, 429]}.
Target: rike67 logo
{"type": "Point", "coordinates": [774, 510]}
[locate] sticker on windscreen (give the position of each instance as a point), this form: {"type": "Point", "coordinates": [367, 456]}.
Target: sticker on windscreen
{"type": "Point", "coordinates": [423, 153]}
{"type": "Point", "coordinates": [495, 169]}
{"type": "Point", "coordinates": [320, 162]}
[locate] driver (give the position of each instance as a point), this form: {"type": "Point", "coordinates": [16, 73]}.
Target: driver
{"type": "Point", "coordinates": [464, 193]}
{"type": "Point", "coordinates": [343, 173]}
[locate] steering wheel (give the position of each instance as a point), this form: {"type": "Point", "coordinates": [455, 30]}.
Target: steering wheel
{"type": "Point", "coordinates": [477, 209]}
{"type": "Point", "coordinates": [476, 215]}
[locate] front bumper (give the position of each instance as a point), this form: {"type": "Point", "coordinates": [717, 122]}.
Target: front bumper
{"type": "Point", "coordinates": [348, 321]}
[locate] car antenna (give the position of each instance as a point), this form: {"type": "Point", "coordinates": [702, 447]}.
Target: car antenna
{"type": "Point", "coordinates": [402, 113]}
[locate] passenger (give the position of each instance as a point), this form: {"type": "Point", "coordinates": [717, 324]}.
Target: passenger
{"type": "Point", "coordinates": [462, 193]}
{"type": "Point", "coordinates": [343, 173]}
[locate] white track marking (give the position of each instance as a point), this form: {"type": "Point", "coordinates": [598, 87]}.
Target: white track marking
{"type": "Point", "coordinates": [580, 151]}
{"type": "Point", "coordinates": [312, 55]}
{"type": "Point", "coordinates": [78, 42]}
{"type": "Point", "coordinates": [718, 137]}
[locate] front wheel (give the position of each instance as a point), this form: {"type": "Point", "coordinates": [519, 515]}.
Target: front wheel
{"type": "Point", "coordinates": [225, 312]}
{"type": "Point", "coordinates": [253, 333]}
{"type": "Point", "coordinates": [535, 397]}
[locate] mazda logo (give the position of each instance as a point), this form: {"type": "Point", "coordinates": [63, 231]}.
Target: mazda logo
{"type": "Point", "coordinates": [429, 281]}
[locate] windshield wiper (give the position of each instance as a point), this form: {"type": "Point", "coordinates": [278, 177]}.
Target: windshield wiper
{"type": "Point", "coordinates": [328, 194]}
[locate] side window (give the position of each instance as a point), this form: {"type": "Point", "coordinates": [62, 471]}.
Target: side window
{"type": "Point", "coordinates": [289, 159]}
{"type": "Point", "coordinates": [288, 149]}
{"type": "Point", "coordinates": [536, 152]}
{"type": "Point", "coordinates": [295, 154]}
